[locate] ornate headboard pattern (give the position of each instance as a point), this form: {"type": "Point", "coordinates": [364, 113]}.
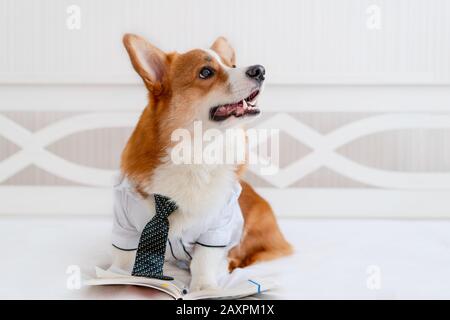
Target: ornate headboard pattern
{"type": "Point", "coordinates": [345, 151]}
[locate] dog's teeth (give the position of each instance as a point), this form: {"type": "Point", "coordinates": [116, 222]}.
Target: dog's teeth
{"type": "Point", "coordinates": [244, 104]}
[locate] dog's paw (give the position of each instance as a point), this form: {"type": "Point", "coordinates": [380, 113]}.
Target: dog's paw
{"type": "Point", "coordinates": [203, 283]}
{"type": "Point", "coordinates": [233, 264]}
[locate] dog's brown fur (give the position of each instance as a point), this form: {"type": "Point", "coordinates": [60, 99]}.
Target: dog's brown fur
{"type": "Point", "coordinates": [262, 238]}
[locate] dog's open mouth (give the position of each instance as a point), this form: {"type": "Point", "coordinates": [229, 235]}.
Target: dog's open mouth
{"type": "Point", "coordinates": [238, 109]}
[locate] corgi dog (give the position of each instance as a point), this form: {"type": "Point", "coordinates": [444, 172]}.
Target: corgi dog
{"type": "Point", "coordinates": [219, 217]}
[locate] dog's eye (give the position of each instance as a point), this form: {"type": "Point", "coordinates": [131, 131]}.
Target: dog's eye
{"type": "Point", "coordinates": [206, 73]}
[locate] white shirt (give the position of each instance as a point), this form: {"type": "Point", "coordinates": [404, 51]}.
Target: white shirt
{"type": "Point", "coordinates": [132, 212]}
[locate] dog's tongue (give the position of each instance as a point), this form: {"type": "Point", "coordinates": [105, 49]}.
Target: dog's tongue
{"type": "Point", "coordinates": [240, 109]}
{"type": "Point", "coordinates": [235, 108]}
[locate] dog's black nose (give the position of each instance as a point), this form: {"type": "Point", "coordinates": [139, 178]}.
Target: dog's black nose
{"type": "Point", "coordinates": [256, 72]}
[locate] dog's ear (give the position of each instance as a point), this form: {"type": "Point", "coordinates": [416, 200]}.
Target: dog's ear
{"type": "Point", "coordinates": [223, 48]}
{"type": "Point", "coordinates": [148, 61]}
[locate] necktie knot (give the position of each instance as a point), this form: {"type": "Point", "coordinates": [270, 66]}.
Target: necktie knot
{"type": "Point", "coordinates": [164, 206]}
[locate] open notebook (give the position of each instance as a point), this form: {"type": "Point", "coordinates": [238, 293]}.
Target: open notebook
{"type": "Point", "coordinates": [232, 287]}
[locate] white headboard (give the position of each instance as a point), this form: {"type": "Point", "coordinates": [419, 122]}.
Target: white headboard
{"type": "Point", "coordinates": [364, 109]}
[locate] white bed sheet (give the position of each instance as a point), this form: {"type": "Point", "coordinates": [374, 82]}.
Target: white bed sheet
{"type": "Point", "coordinates": [332, 259]}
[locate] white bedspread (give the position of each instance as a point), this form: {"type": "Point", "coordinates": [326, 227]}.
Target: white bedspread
{"type": "Point", "coordinates": [334, 259]}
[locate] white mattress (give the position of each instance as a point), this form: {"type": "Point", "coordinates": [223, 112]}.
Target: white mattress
{"type": "Point", "coordinates": [332, 261]}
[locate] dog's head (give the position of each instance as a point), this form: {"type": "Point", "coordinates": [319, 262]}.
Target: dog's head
{"type": "Point", "coordinates": [199, 85]}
